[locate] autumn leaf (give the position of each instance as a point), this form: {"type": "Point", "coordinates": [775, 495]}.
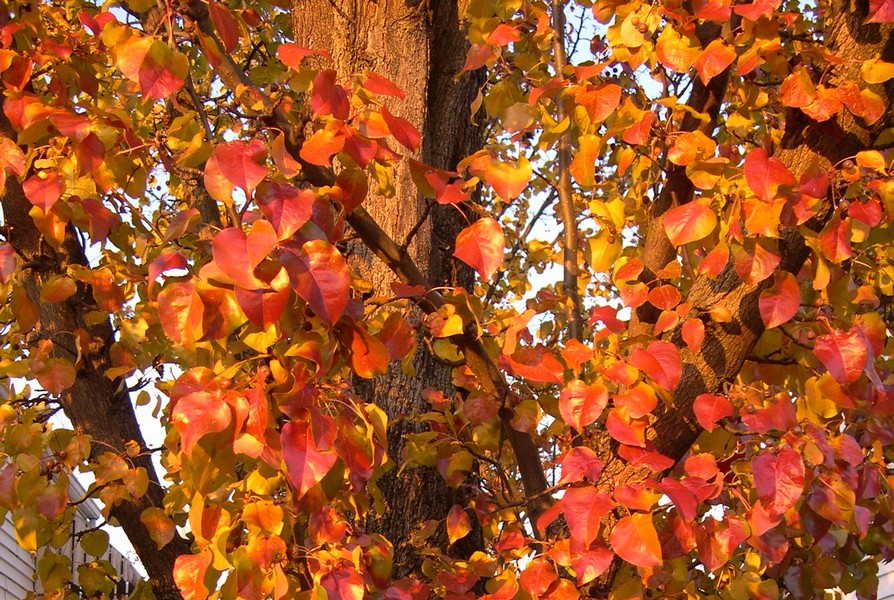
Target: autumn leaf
{"type": "Point", "coordinates": [779, 479]}
{"type": "Point", "coordinates": [153, 65]}
{"type": "Point", "coordinates": [43, 189]}
{"type": "Point", "coordinates": [713, 60]}
{"type": "Point", "coordinates": [584, 508]}
{"type": "Point", "coordinates": [881, 11]}
{"type": "Point", "coordinates": [481, 246]}
{"type": "Point", "coordinates": [235, 164]}
{"type": "Point", "coordinates": [329, 98]}
{"type": "Point", "coordinates": [710, 408]}
{"type": "Point", "coordinates": [226, 25]}
{"type": "Point", "coordinates": [507, 180]}
{"type": "Point", "coordinates": [843, 353]}
{"type": "Point", "coordinates": [402, 130]}
{"type": "Point", "coordinates": [308, 457]}
{"type": "Point", "coordinates": [660, 361]}
{"type": "Point", "coordinates": [285, 206]}
{"type": "Point", "coordinates": [766, 174]}
{"type": "Point", "coordinates": [581, 404]}
{"type": "Point", "coordinates": [781, 302]}
{"type": "Point", "coordinates": [635, 540]}
{"type": "Point", "coordinates": [237, 254]}
{"type": "Point", "coordinates": [578, 463]}
{"type": "Point", "coordinates": [198, 414]}
{"type": "Point", "coordinates": [689, 223]}
{"type": "Point", "coordinates": [458, 524]}
{"type": "Point", "coordinates": [319, 274]}
{"type": "Point", "coordinates": [161, 527]}
{"type": "Point", "coordinates": [189, 574]}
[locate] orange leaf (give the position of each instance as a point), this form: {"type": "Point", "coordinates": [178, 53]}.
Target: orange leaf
{"type": "Point", "coordinates": [189, 575]}
{"type": "Point", "coordinates": [458, 523]}
{"type": "Point", "coordinates": [635, 540]}
{"type": "Point", "coordinates": [781, 302]}
{"type": "Point", "coordinates": [713, 60]}
{"type": "Point", "coordinates": [320, 275]}
{"type": "Point", "coordinates": [308, 454]}
{"type": "Point", "coordinates": [508, 181]}
{"type": "Point", "coordinates": [688, 223]}
{"type": "Point", "coordinates": [581, 404]}
{"type": "Point", "coordinates": [481, 246]}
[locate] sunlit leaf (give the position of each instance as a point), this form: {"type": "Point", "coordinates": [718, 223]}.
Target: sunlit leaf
{"type": "Point", "coordinates": [481, 246]}
{"type": "Point", "coordinates": [635, 540]}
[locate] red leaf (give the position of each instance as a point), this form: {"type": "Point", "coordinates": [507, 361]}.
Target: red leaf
{"type": "Point", "coordinates": [665, 297]}
{"type": "Point", "coordinates": [235, 164]}
{"type": "Point", "coordinates": [688, 223]}
{"type": "Point", "coordinates": [578, 463]}
{"type": "Point", "coordinates": [198, 414]}
{"type": "Point", "coordinates": [320, 275]}
{"type": "Point", "coordinates": [765, 174]}
{"type": "Point", "coordinates": [710, 408]}
{"type": "Point", "coordinates": [536, 364]}
{"type": "Point", "coordinates": [292, 54]}
{"type": "Point", "coordinates": [755, 266]}
{"type": "Point", "coordinates": [779, 479]}
{"type": "Point", "coordinates": [308, 454]}
{"type": "Point", "coordinates": [660, 361]}
{"type": "Point", "coordinates": [538, 576]}
{"type": "Point", "coordinates": [402, 130]}
{"type": "Point", "coordinates": [843, 353]}
{"type": "Point", "coordinates": [397, 336]}
{"type": "Point", "coordinates": [635, 540]}
{"type": "Point", "coordinates": [263, 307]}
{"type": "Point", "coordinates": [7, 261]}
{"type": "Point", "coordinates": [285, 206]}
{"type": "Point", "coordinates": [43, 189]}
{"type": "Point", "coordinates": [458, 523]}
{"type": "Point", "coordinates": [329, 98]}
{"type": "Point", "coordinates": [343, 584]}
{"type": "Point", "coordinates": [625, 429]}
{"type": "Point", "coordinates": [881, 11]}
{"type": "Point", "coordinates": [598, 101]}
{"type": "Point", "coordinates": [382, 86]}
{"type": "Point", "coordinates": [237, 254]}
{"type": "Point", "coordinates": [638, 401]}
{"type": "Point", "coordinates": [834, 240]}
{"type": "Point", "coordinates": [481, 246]}
{"type": "Point", "coordinates": [584, 509]}
{"type": "Point", "coordinates": [369, 357]}
{"type": "Point", "coordinates": [225, 23]}
{"type": "Point", "coordinates": [781, 302]}
{"type": "Point", "coordinates": [180, 311]}
{"type": "Point", "coordinates": [153, 65]}
{"type": "Point", "coordinates": [319, 148]}
{"type": "Point", "coordinates": [714, 60]}
{"type": "Point", "coordinates": [189, 574]}
{"type": "Point", "coordinates": [693, 332]}
{"type": "Point", "coordinates": [581, 404]}
{"type": "Point", "coordinates": [590, 564]}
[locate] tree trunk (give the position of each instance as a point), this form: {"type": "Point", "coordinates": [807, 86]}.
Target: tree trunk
{"type": "Point", "coordinates": [806, 144]}
{"type": "Point", "coordinates": [96, 405]}
{"type": "Point", "coordinates": [421, 47]}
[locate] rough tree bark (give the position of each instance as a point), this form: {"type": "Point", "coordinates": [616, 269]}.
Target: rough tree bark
{"type": "Point", "coordinates": [806, 144]}
{"type": "Point", "coordinates": [96, 405]}
{"type": "Point", "coordinates": [421, 47]}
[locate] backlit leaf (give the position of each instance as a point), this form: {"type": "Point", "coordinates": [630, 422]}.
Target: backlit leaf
{"type": "Point", "coordinates": [765, 174]}
{"type": "Point", "coordinates": [584, 509]}
{"type": "Point", "coordinates": [779, 479]}
{"type": "Point", "coordinates": [319, 274]}
{"type": "Point", "coordinates": [581, 404]}
{"type": "Point", "coordinates": [689, 223]}
{"type": "Point", "coordinates": [402, 130]}
{"type": "Point", "coordinates": [153, 65]}
{"type": "Point", "coordinates": [236, 164]}
{"type": "Point", "coordinates": [198, 414]}
{"type": "Point", "coordinates": [713, 60]}
{"type": "Point", "coordinates": [781, 302]}
{"type": "Point", "coordinates": [458, 523]}
{"type": "Point", "coordinates": [635, 540]}
{"type": "Point", "coordinates": [710, 408]}
{"type": "Point", "coordinates": [237, 254]}
{"type": "Point", "coordinates": [308, 455]}
{"type": "Point", "coordinates": [843, 353]}
{"type": "Point", "coordinates": [507, 180]}
{"type": "Point", "coordinates": [481, 246]}
{"type": "Point", "coordinates": [660, 361]}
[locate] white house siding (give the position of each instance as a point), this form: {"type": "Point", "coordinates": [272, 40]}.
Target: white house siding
{"type": "Point", "coordinates": [17, 566]}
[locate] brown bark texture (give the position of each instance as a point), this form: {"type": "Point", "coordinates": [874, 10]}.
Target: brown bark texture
{"type": "Point", "coordinates": [421, 47]}
{"type": "Point", "coordinates": [807, 144]}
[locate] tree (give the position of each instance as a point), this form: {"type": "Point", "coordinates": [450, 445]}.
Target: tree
{"type": "Point", "coordinates": [294, 224]}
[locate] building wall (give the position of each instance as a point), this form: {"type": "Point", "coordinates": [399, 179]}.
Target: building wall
{"type": "Point", "coordinates": [17, 567]}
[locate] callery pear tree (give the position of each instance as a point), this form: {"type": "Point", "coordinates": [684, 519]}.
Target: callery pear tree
{"type": "Point", "coordinates": [496, 299]}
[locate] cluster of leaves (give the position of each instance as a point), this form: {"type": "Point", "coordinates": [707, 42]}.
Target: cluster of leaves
{"type": "Point", "coordinates": [127, 126]}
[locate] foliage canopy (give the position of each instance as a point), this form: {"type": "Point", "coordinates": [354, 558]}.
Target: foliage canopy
{"type": "Point", "coordinates": [687, 392]}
